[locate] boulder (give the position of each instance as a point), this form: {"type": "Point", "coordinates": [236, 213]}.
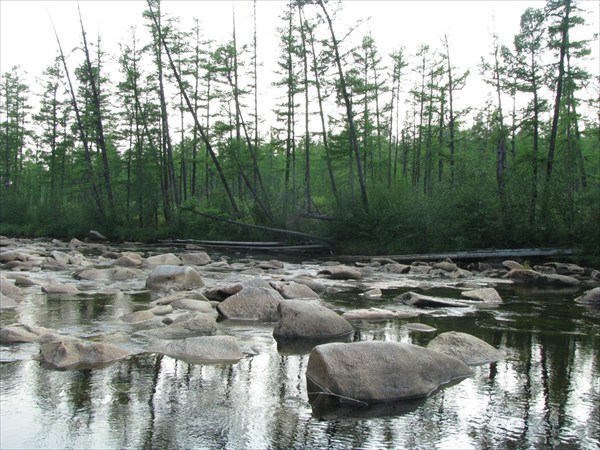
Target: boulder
{"type": "Point", "coordinates": [531, 277]}
{"type": "Point", "coordinates": [424, 301]}
{"type": "Point", "coordinates": [512, 265]}
{"type": "Point", "coordinates": [196, 325]}
{"type": "Point", "coordinates": [252, 303]}
{"type": "Point", "coordinates": [591, 297]}
{"type": "Point", "coordinates": [220, 293]}
{"type": "Point", "coordinates": [315, 285]}
{"type": "Point", "coordinates": [446, 266]}
{"type": "Point", "coordinates": [270, 265]}
{"type": "Point", "coordinates": [204, 349]}
{"type": "Point", "coordinates": [487, 295]}
{"type": "Point", "coordinates": [57, 288]}
{"type": "Point", "coordinates": [306, 320]}
{"type": "Point", "coordinates": [20, 333]}
{"type": "Point", "coordinates": [174, 296]}
{"type": "Point", "coordinates": [469, 349]}
{"type": "Point", "coordinates": [174, 277]}
{"type": "Point", "coordinates": [195, 259]}
{"type": "Point", "coordinates": [138, 316]}
{"type": "Point", "coordinates": [25, 281]}
{"type": "Point", "coordinates": [12, 255]}
{"type": "Point", "coordinates": [7, 287]}
{"type": "Point", "coordinates": [128, 261]}
{"type": "Point", "coordinates": [72, 354]}
{"type": "Point", "coordinates": [7, 302]}
{"type": "Point", "coordinates": [168, 259]}
{"type": "Point", "coordinates": [378, 371]}
{"type": "Point", "coordinates": [190, 304]}
{"type": "Point", "coordinates": [112, 274]}
{"type": "Point", "coordinates": [377, 314]}
{"type": "Point", "coordinates": [418, 269]}
{"type": "Point", "coordinates": [341, 272]}
{"type": "Point", "coordinates": [294, 290]}
{"type": "Point", "coordinates": [395, 268]}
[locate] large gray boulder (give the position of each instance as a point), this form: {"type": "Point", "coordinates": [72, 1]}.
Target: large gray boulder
{"type": "Point", "coordinates": [469, 349]}
{"type": "Point", "coordinates": [174, 277]}
{"type": "Point", "coordinates": [377, 371]}
{"type": "Point", "coordinates": [591, 297]}
{"type": "Point", "coordinates": [300, 319]}
{"type": "Point", "coordinates": [531, 277]}
{"type": "Point", "coordinates": [204, 349]}
{"type": "Point", "coordinates": [72, 354]}
{"type": "Point", "coordinates": [252, 303]}
{"type": "Point", "coordinates": [57, 288]}
{"type": "Point", "coordinates": [195, 259]}
{"type": "Point", "coordinates": [7, 302]}
{"type": "Point", "coordinates": [293, 290]}
{"type": "Point", "coordinates": [167, 259]}
{"type": "Point", "coordinates": [22, 333]}
{"type": "Point", "coordinates": [220, 293]}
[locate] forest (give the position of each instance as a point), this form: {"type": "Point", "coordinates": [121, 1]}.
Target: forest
{"type": "Point", "coordinates": [368, 152]}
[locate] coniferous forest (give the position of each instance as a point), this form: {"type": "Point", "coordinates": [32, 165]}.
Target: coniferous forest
{"type": "Point", "coordinates": [367, 149]}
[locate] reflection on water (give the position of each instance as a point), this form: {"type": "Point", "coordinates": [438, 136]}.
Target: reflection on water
{"type": "Point", "coordinates": [545, 394]}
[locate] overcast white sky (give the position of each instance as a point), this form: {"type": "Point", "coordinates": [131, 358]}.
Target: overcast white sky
{"type": "Point", "coordinates": [27, 39]}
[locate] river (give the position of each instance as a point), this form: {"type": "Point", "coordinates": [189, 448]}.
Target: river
{"type": "Point", "coordinates": [544, 394]}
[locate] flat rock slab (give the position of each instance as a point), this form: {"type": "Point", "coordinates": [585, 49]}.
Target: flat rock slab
{"type": "Point", "coordinates": [300, 319]}
{"type": "Point", "coordinates": [22, 333]}
{"type": "Point", "coordinates": [426, 301]}
{"type": "Point", "coordinates": [487, 295]}
{"type": "Point", "coordinates": [197, 325]}
{"type": "Point", "coordinates": [421, 327]}
{"type": "Point", "coordinates": [525, 276]}
{"type": "Point", "coordinates": [377, 371]}
{"type": "Point", "coordinates": [293, 290]}
{"type": "Point", "coordinates": [202, 350]}
{"type": "Point", "coordinates": [591, 297]}
{"type": "Point", "coordinates": [377, 314]}
{"type": "Point", "coordinates": [74, 354]}
{"type": "Point", "coordinates": [341, 272]}
{"type": "Point", "coordinates": [469, 349]}
{"type": "Point", "coordinates": [56, 288]}
{"type": "Point", "coordinates": [113, 274]}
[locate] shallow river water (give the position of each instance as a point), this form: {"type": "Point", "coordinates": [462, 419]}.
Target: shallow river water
{"type": "Point", "coordinates": [545, 394]}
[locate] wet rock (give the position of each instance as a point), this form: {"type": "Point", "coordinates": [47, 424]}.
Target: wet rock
{"type": "Point", "coordinates": [128, 261]}
{"type": "Point", "coordinates": [57, 288]}
{"type": "Point", "coordinates": [161, 310]}
{"type": "Point", "coordinates": [487, 295]}
{"type": "Point", "coordinates": [167, 259]}
{"type": "Point", "coordinates": [421, 327]}
{"type": "Point", "coordinates": [395, 268]}
{"type": "Point", "coordinates": [168, 299]}
{"type": "Point", "coordinates": [531, 277]}
{"type": "Point", "coordinates": [205, 349]}
{"type": "Point", "coordinates": [377, 314]}
{"type": "Point", "coordinates": [306, 320]}
{"type": "Point", "coordinates": [7, 302]}
{"type": "Point", "coordinates": [446, 266]}
{"type": "Point", "coordinates": [469, 349]}
{"type": "Point", "coordinates": [138, 316]}
{"type": "Point", "coordinates": [220, 293]}
{"type": "Point", "coordinates": [512, 265]}
{"type": "Point", "coordinates": [460, 273]}
{"type": "Point", "coordinates": [195, 259]}
{"type": "Point", "coordinates": [193, 305]}
{"type": "Point", "coordinates": [25, 281]}
{"type": "Point", "coordinates": [76, 354]}
{"type": "Point", "coordinates": [270, 265]}
{"type": "Point", "coordinates": [591, 297]}
{"type": "Point", "coordinates": [294, 291]}
{"type": "Point", "coordinates": [424, 301]}
{"type": "Point", "coordinates": [12, 255]}
{"type": "Point", "coordinates": [8, 288]}
{"type": "Point", "coordinates": [174, 277]}
{"type": "Point", "coordinates": [252, 303]}
{"type": "Point", "coordinates": [193, 325]}
{"type": "Point", "coordinates": [566, 268]}
{"type": "Point", "coordinates": [419, 269]}
{"type": "Point", "coordinates": [315, 285]}
{"type": "Point", "coordinates": [372, 293]}
{"type": "Point", "coordinates": [341, 272]}
{"type": "Point", "coordinates": [377, 371]}
{"type": "Point", "coordinates": [21, 333]}
{"type": "Point", "coordinates": [113, 274]}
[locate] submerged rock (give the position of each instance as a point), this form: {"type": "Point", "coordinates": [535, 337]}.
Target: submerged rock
{"type": "Point", "coordinates": [469, 349]}
{"type": "Point", "coordinates": [377, 314]}
{"type": "Point", "coordinates": [74, 354]}
{"type": "Point", "coordinates": [300, 319]}
{"type": "Point", "coordinates": [196, 325]}
{"type": "Point", "coordinates": [526, 276]}
{"type": "Point", "coordinates": [419, 300]}
{"type": "Point", "coordinates": [205, 349]}
{"type": "Point", "coordinates": [377, 371]}
{"type": "Point", "coordinates": [591, 297]}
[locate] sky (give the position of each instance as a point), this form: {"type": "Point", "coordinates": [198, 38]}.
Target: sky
{"type": "Point", "coordinates": [27, 38]}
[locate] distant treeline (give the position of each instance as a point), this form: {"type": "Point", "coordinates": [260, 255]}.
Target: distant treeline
{"type": "Point", "coordinates": [369, 150]}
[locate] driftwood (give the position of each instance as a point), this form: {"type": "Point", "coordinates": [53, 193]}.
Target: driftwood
{"type": "Point", "coordinates": [259, 227]}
